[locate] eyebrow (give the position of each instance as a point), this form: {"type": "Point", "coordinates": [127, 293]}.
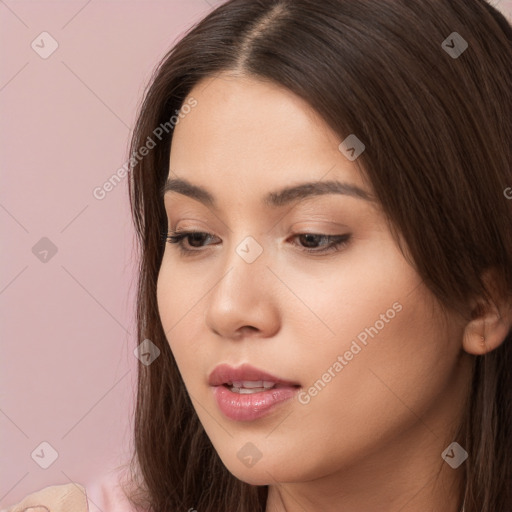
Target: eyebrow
{"type": "Point", "coordinates": [276, 199]}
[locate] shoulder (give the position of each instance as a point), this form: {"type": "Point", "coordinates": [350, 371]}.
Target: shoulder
{"type": "Point", "coordinates": [57, 498]}
{"type": "Point", "coordinates": [107, 494]}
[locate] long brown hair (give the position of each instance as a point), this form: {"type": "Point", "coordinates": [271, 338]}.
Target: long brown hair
{"type": "Point", "coordinates": [437, 129]}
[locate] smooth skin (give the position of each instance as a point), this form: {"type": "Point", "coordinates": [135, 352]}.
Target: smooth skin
{"type": "Point", "coordinates": [372, 438]}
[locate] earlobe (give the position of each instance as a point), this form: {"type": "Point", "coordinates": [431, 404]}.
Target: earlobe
{"type": "Point", "coordinates": [489, 326]}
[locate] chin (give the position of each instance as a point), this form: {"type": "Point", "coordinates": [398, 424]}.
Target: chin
{"type": "Point", "coordinates": [264, 472]}
{"type": "Point", "coordinates": [257, 478]}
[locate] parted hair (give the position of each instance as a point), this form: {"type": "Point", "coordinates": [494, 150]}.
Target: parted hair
{"type": "Point", "coordinates": [437, 130]}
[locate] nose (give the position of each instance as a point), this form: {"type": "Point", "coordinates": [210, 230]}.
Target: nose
{"type": "Point", "coordinates": [244, 302]}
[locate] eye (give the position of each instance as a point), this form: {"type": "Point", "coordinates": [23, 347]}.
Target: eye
{"type": "Point", "coordinates": [193, 238]}
{"type": "Point", "coordinates": [333, 243]}
{"type": "Point", "coordinates": [312, 243]}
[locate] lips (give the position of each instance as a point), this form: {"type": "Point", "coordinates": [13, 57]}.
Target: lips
{"type": "Point", "coordinates": [246, 376]}
{"type": "Point", "coordinates": [247, 393]}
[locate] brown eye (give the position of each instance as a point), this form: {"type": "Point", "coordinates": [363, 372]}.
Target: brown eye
{"type": "Point", "coordinates": [311, 241]}
{"type": "Point", "coordinates": [194, 239]}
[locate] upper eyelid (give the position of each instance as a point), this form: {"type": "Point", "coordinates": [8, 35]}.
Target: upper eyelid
{"type": "Point", "coordinates": [184, 233]}
{"type": "Point", "coordinates": [312, 219]}
{"type": "Point", "coordinates": [336, 242]}
{"type": "Point", "coordinates": [192, 231]}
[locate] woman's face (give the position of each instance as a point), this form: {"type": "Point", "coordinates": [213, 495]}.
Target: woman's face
{"type": "Point", "coordinates": [365, 357]}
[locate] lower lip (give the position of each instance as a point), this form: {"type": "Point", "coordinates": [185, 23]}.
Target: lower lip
{"type": "Point", "coordinates": [249, 407]}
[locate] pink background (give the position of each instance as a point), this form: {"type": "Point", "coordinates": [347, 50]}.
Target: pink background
{"type": "Point", "coordinates": [68, 370]}
{"type": "Point", "coordinates": [67, 365]}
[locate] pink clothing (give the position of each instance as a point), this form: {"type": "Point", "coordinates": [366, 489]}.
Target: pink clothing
{"type": "Point", "coordinates": [104, 495]}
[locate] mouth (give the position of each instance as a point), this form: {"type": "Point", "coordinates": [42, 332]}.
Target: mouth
{"type": "Point", "coordinates": [246, 377]}
{"type": "Point", "coordinates": [248, 387]}
{"type": "Point", "coordinates": [247, 393]}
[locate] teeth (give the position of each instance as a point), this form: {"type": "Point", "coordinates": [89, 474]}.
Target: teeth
{"type": "Point", "coordinates": [247, 387]}
{"type": "Point", "coordinates": [252, 384]}
{"type": "Point", "coordinates": [247, 391]}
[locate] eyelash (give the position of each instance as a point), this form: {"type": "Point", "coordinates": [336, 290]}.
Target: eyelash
{"type": "Point", "coordinates": [177, 237]}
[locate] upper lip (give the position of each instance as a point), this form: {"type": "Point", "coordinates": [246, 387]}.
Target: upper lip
{"type": "Point", "coordinates": [225, 374]}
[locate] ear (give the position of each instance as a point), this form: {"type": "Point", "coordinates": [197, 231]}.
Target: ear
{"type": "Point", "coordinates": [491, 320]}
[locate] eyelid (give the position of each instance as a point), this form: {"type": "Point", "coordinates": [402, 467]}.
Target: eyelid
{"type": "Point", "coordinates": [177, 237]}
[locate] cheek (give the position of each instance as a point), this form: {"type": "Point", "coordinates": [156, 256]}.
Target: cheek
{"type": "Point", "coordinates": [354, 407]}
{"type": "Point", "coordinates": [343, 299]}
{"type": "Point", "coordinates": [378, 318]}
{"type": "Point", "coordinates": [179, 308]}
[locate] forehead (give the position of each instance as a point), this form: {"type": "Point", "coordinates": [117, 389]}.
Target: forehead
{"type": "Point", "coordinates": [256, 136]}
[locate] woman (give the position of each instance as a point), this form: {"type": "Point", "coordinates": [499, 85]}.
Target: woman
{"type": "Point", "coordinates": [320, 195]}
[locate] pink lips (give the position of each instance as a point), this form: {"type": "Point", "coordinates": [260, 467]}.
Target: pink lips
{"type": "Point", "coordinates": [248, 407]}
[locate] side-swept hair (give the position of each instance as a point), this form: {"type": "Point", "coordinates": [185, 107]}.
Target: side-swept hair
{"type": "Point", "coordinates": [438, 133]}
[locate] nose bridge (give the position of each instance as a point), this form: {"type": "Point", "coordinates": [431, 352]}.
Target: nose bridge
{"type": "Point", "coordinates": [244, 266]}
{"type": "Point", "coordinates": [243, 296]}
